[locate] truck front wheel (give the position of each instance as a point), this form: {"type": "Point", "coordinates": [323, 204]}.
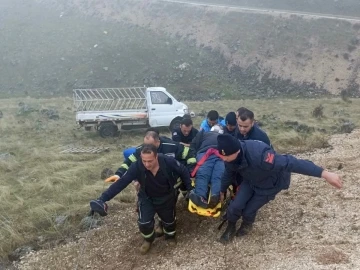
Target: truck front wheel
{"type": "Point", "coordinates": [175, 123]}
{"type": "Point", "coordinates": [107, 130]}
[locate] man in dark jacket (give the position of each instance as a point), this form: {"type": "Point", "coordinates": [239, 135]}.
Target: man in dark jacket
{"type": "Point", "coordinates": [165, 146]}
{"type": "Point", "coordinates": [230, 124]}
{"type": "Point", "coordinates": [264, 174]}
{"type": "Point", "coordinates": [185, 133]}
{"type": "Point", "coordinates": [248, 129]}
{"type": "Point", "coordinates": [157, 175]}
{"type": "Point", "coordinates": [209, 169]}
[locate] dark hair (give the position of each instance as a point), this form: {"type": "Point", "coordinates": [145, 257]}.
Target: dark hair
{"type": "Point", "coordinates": [153, 129]}
{"type": "Point", "coordinates": [187, 122]}
{"type": "Point", "coordinates": [245, 114]}
{"type": "Point", "coordinates": [153, 135]}
{"type": "Point", "coordinates": [213, 115]}
{"type": "Point", "coordinates": [148, 149]}
{"type": "Point", "coordinates": [230, 119]}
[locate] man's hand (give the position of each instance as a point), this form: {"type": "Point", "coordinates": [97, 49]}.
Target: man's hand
{"type": "Point", "coordinates": [332, 178]}
{"type": "Point", "coordinates": [111, 179]}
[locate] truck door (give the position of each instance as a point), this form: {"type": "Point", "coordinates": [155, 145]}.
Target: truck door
{"type": "Point", "coordinates": [161, 109]}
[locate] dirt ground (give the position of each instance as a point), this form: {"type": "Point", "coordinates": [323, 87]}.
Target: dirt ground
{"type": "Point", "coordinates": [309, 226]}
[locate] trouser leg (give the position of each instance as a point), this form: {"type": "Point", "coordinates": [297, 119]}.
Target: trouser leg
{"type": "Point", "coordinates": [146, 219]}
{"type": "Point", "coordinates": [166, 212]}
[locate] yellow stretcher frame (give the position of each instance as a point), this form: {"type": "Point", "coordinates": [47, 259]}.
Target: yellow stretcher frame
{"type": "Point", "coordinates": [209, 212]}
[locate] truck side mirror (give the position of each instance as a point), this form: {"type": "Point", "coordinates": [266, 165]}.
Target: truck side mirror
{"type": "Point", "coordinates": [169, 101]}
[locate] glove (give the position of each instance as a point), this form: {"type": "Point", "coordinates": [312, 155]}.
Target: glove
{"type": "Point", "coordinates": [98, 206]}
{"type": "Point", "coordinates": [111, 179]}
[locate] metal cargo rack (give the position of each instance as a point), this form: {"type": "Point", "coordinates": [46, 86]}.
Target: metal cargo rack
{"type": "Point", "coordinates": [110, 99]}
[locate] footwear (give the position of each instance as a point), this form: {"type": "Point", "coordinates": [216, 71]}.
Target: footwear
{"type": "Point", "coordinates": [198, 200]}
{"type": "Point", "coordinates": [229, 233]}
{"type": "Point", "coordinates": [145, 247]}
{"type": "Point", "coordinates": [159, 231]}
{"type": "Point", "coordinates": [244, 229]}
{"type": "Point", "coordinates": [99, 206]}
{"type": "Point", "coordinates": [214, 200]}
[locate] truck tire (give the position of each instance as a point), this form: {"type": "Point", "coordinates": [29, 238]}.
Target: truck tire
{"type": "Point", "coordinates": [175, 123]}
{"type": "Point", "coordinates": [107, 130]}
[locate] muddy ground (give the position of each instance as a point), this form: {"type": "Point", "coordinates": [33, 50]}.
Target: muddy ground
{"type": "Point", "coordinates": [309, 226]}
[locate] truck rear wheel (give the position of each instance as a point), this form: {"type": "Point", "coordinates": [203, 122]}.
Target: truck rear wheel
{"type": "Point", "coordinates": [107, 130]}
{"type": "Point", "coordinates": [175, 124]}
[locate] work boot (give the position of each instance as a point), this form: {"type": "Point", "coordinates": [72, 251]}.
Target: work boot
{"type": "Point", "coordinates": [229, 233]}
{"type": "Point", "coordinates": [244, 229]}
{"type": "Point", "coordinates": [159, 230]}
{"type": "Point", "coordinates": [198, 200]}
{"type": "Point", "coordinates": [214, 200]}
{"type": "Point", "coordinates": [145, 247]}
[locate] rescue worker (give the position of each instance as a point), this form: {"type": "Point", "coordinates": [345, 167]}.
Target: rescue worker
{"type": "Point", "coordinates": [247, 128]}
{"type": "Point", "coordinates": [164, 146]}
{"type": "Point", "coordinates": [131, 150]}
{"type": "Point", "coordinates": [229, 124]}
{"type": "Point", "coordinates": [209, 169]}
{"type": "Point", "coordinates": [212, 119]}
{"type": "Point", "coordinates": [185, 133]}
{"type": "Point", "coordinates": [157, 175]}
{"type": "Point", "coordinates": [264, 174]}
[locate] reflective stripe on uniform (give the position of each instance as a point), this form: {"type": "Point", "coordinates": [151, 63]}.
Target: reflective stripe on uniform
{"type": "Point", "coordinates": [124, 166]}
{"type": "Point", "coordinates": [185, 152]}
{"type": "Point", "coordinates": [191, 161]}
{"type": "Point", "coordinates": [132, 158]}
{"type": "Point", "coordinates": [169, 233]}
{"type": "Point", "coordinates": [148, 235]}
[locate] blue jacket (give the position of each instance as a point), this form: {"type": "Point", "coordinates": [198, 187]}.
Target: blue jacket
{"type": "Point", "coordinates": [205, 125]}
{"type": "Point", "coordinates": [255, 133]}
{"type": "Point", "coordinates": [204, 141]}
{"type": "Point", "coordinates": [266, 171]}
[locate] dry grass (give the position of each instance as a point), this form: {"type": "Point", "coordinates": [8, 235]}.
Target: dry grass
{"type": "Point", "coordinates": [38, 183]}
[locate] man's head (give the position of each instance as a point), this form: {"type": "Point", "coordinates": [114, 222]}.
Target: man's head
{"type": "Point", "coordinates": [230, 121]}
{"type": "Point", "coordinates": [212, 117]}
{"type": "Point", "coordinates": [151, 137]}
{"type": "Point", "coordinates": [186, 126]}
{"type": "Point", "coordinates": [149, 156]}
{"type": "Point", "coordinates": [228, 147]}
{"type": "Point", "coordinates": [245, 120]}
{"type": "Point", "coordinates": [153, 129]}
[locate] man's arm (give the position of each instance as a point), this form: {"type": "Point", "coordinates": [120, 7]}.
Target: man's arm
{"type": "Point", "coordinates": [127, 163]}
{"type": "Point", "coordinates": [118, 186]}
{"type": "Point", "coordinates": [186, 154]}
{"type": "Point", "coordinates": [176, 136]}
{"type": "Point", "coordinates": [180, 170]}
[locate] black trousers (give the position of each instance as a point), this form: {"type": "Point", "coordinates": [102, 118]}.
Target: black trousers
{"type": "Point", "coordinates": [164, 207]}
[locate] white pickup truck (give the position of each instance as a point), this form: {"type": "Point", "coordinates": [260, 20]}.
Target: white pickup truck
{"type": "Point", "coordinates": [110, 110]}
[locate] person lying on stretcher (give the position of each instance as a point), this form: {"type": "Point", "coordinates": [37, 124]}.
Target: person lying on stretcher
{"type": "Point", "coordinates": [209, 169]}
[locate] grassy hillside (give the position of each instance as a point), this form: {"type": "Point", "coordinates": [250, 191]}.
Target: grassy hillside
{"type": "Point", "coordinates": [39, 185]}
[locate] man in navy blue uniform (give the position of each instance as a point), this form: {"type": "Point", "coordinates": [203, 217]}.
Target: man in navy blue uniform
{"type": "Point", "coordinates": [247, 128]}
{"type": "Point", "coordinates": [229, 124]}
{"type": "Point", "coordinates": [157, 175]}
{"type": "Point", "coordinates": [264, 173]}
{"type": "Point", "coordinates": [185, 133]}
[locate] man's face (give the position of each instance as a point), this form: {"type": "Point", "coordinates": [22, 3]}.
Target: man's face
{"type": "Point", "coordinates": [185, 130]}
{"type": "Point", "coordinates": [150, 161]}
{"type": "Point", "coordinates": [245, 126]}
{"type": "Point", "coordinates": [212, 122]}
{"type": "Point", "coordinates": [231, 157]}
{"type": "Point", "coordinates": [230, 127]}
{"type": "Point", "coordinates": [151, 140]}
